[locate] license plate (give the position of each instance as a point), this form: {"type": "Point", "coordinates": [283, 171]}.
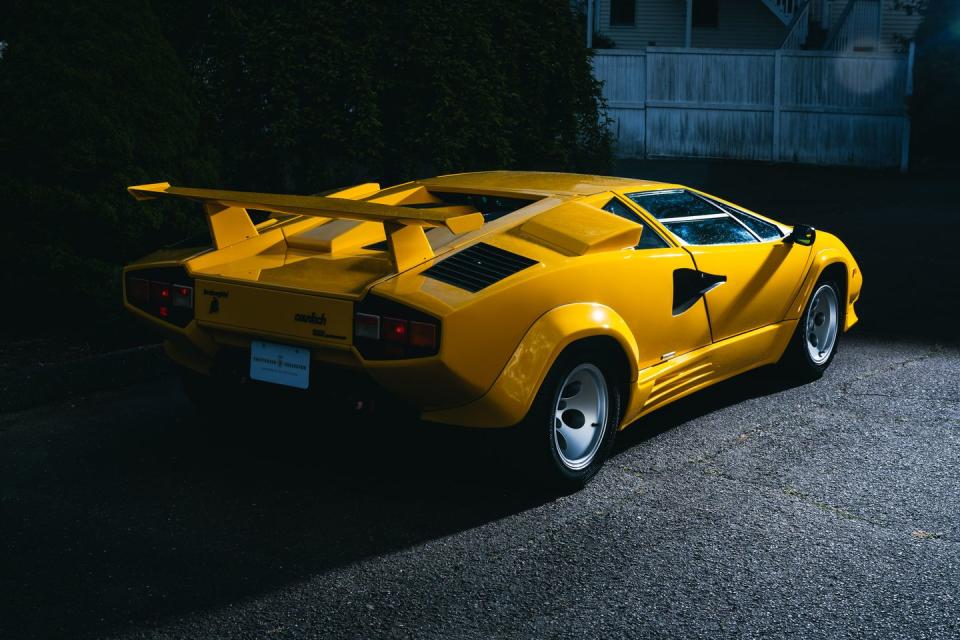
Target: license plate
{"type": "Point", "coordinates": [280, 364]}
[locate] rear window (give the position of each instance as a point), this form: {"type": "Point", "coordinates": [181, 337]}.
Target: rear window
{"type": "Point", "coordinates": [491, 207]}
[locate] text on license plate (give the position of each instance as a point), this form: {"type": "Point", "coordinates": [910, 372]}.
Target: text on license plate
{"type": "Point", "coordinates": [280, 364]}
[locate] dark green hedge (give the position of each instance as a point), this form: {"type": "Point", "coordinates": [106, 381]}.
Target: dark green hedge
{"type": "Point", "coordinates": [293, 96]}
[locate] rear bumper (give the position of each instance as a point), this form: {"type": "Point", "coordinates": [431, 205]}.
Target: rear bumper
{"type": "Point", "coordinates": [421, 384]}
{"type": "Point", "coordinates": [344, 387]}
{"type": "Point", "coordinates": [229, 315]}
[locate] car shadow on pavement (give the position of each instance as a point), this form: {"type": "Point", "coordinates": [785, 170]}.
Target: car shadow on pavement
{"type": "Point", "coordinates": [760, 382]}
{"type": "Point", "coordinates": [141, 515]}
{"type": "Point", "coordinates": [145, 515]}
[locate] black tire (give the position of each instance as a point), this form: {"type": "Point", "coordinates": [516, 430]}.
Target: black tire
{"type": "Point", "coordinates": [540, 454]}
{"type": "Point", "coordinates": [798, 361]}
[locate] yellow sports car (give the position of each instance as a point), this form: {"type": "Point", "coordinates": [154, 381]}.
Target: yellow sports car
{"type": "Point", "coordinates": [564, 305]}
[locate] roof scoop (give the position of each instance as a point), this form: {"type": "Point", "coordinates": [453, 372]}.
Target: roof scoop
{"type": "Point", "coordinates": [577, 229]}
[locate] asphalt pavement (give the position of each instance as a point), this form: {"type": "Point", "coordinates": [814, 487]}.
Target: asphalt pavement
{"type": "Point", "coordinates": [754, 509]}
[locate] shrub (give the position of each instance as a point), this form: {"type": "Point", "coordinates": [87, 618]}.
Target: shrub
{"type": "Point", "coordinates": [306, 96]}
{"type": "Point", "coordinates": [94, 99]}
{"type": "Point", "coordinates": [296, 97]}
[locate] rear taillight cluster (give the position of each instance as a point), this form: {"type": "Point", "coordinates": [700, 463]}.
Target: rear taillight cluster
{"type": "Point", "coordinates": [164, 293]}
{"type": "Point", "coordinates": [385, 330]}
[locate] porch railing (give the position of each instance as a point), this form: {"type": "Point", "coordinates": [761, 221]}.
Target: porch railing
{"type": "Point", "coordinates": [798, 29]}
{"type": "Point", "coordinates": [857, 28]}
{"type": "Point", "coordinates": [784, 9]}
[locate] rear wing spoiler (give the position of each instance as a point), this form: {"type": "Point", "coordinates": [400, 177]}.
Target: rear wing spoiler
{"type": "Point", "coordinates": [404, 226]}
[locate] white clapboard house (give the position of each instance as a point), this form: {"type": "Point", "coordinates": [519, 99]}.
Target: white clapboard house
{"type": "Point", "coordinates": [830, 25]}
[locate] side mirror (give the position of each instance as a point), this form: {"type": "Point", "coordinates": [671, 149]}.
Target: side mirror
{"type": "Point", "coordinates": [802, 234]}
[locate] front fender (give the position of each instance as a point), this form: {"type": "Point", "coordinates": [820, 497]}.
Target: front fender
{"type": "Point", "coordinates": [509, 398]}
{"type": "Point", "coordinates": [821, 260]}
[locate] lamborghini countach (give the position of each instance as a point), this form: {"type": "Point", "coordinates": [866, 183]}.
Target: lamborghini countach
{"type": "Point", "coordinates": [563, 306]}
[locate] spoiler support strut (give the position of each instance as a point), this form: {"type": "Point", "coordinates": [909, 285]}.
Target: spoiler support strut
{"type": "Point", "coordinates": [230, 222]}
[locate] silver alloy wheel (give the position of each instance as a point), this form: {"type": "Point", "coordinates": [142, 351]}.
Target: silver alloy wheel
{"type": "Point", "coordinates": [580, 416]}
{"type": "Point", "coordinates": [822, 323]}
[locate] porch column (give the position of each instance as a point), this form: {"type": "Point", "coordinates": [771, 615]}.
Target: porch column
{"type": "Point", "coordinates": [589, 24]}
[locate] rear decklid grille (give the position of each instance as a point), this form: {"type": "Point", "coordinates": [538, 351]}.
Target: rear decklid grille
{"type": "Point", "coordinates": [478, 267]}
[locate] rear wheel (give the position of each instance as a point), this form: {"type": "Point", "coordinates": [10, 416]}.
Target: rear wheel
{"type": "Point", "coordinates": [817, 336]}
{"type": "Point", "coordinates": [570, 428]}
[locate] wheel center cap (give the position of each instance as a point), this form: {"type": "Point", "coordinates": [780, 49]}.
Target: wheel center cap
{"type": "Point", "coordinates": [819, 319]}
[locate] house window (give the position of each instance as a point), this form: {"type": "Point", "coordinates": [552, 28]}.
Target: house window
{"type": "Point", "coordinates": [623, 13]}
{"type": "Point", "coordinates": [706, 13]}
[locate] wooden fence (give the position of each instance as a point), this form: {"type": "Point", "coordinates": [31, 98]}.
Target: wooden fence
{"type": "Point", "coordinates": [810, 107]}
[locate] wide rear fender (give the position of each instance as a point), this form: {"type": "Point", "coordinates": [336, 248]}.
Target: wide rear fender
{"type": "Point", "coordinates": [508, 400]}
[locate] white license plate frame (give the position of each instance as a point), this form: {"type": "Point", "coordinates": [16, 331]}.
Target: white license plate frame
{"type": "Point", "coordinates": [280, 364]}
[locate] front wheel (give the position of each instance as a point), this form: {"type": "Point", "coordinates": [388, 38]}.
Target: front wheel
{"type": "Point", "coordinates": [817, 336]}
{"type": "Point", "coordinates": [570, 428]}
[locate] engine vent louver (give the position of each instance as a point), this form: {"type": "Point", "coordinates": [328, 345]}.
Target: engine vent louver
{"type": "Point", "coordinates": [478, 267]}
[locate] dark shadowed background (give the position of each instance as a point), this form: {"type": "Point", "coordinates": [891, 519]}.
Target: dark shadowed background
{"type": "Point", "coordinates": [293, 97]}
{"type": "Point", "coordinates": [301, 97]}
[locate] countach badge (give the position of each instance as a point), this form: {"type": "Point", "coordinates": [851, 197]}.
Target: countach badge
{"type": "Point", "coordinates": [311, 318]}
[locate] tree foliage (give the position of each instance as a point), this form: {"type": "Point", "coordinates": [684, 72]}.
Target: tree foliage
{"type": "Point", "coordinates": [94, 99]}
{"type": "Point", "coordinates": [306, 95]}
{"type": "Point", "coordinates": [297, 96]}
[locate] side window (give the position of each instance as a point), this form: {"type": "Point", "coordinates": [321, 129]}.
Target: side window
{"type": "Point", "coordinates": [664, 205]}
{"type": "Point", "coordinates": [649, 239]}
{"type": "Point", "coordinates": [710, 231]}
{"type": "Point", "coordinates": [763, 229]}
{"type": "Point", "coordinates": [694, 219]}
